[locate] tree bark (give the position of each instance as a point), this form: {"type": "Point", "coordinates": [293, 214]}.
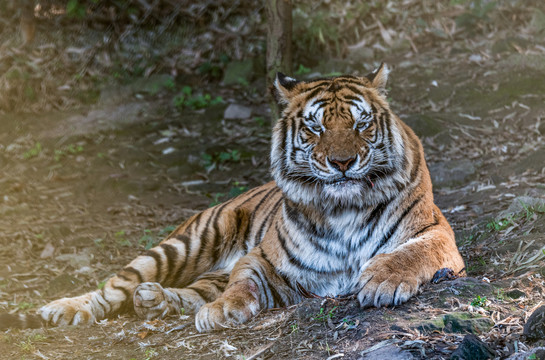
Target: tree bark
{"type": "Point", "coordinates": [279, 25]}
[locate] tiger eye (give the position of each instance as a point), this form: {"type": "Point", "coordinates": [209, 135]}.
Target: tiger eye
{"type": "Point", "coordinates": [361, 126]}
{"type": "Point", "coordinates": [316, 128]}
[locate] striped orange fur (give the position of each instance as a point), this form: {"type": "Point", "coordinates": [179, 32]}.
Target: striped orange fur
{"type": "Point", "coordinates": [350, 211]}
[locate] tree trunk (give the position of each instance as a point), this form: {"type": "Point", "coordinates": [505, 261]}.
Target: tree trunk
{"type": "Point", "coordinates": [27, 22]}
{"type": "Point", "coordinates": [278, 45]}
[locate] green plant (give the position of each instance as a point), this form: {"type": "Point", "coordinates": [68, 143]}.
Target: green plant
{"type": "Point", "coordinates": [302, 70]}
{"type": "Point", "coordinates": [121, 239]}
{"type": "Point", "coordinates": [259, 120]}
{"type": "Point", "coordinates": [150, 353]}
{"type": "Point", "coordinates": [210, 162]}
{"type": "Point", "coordinates": [101, 284]}
{"type": "Point", "coordinates": [294, 328]}
{"type": "Point", "coordinates": [28, 345]}
{"type": "Point", "coordinates": [66, 150]}
{"type": "Point", "coordinates": [323, 315]}
{"type": "Point", "coordinates": [34, 151]}
{"type": "Point", "coordinates": [25, 305]}
{"type": "Point", "coordinates": [216, 198]}
{"type": "Point", "coordinates": [148, 240]}
{"type": "Point", "coordinates": [479, 301]}
{"type": "Point", "coordinates": [237, 189]}
{"type": "Point", "coordinates": [75, 9]}
{"type": "Point", "coordinates": [186, 99]}
{"type": "Point", "coordinates": [499, 225]}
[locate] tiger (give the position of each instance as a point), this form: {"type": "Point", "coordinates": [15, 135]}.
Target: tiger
{"type": "Point", "coordinates": [350, 211]}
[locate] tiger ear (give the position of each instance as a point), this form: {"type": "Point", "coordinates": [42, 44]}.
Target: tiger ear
{"type": "Point", "coordinates": [379, 77]}
{"type": "Point", "coordinates": [283, 88]}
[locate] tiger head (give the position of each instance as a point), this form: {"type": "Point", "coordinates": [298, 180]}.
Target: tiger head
{"type": "Point", "coordinates": [337, 140]}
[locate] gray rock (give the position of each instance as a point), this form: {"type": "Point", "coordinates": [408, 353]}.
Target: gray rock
{"type": "Point", "coordinates": [534, 329]}
{"type": "Point", "coordinates": [450, 173]}
{"type": "Point", "coordinates": [464, 322]}
{"type": "Point", "coordinates": [386, 349]}
{"type": "Point", "coordinates": [539, 354]}
{"type": "Point", "coordinates": [75, 260]}
{"type": "Point", "coordinates": [424, 125]}
{"type": "Point", "coordinates": [520, 204]}
{"type": "Point", "coordinates": [236, 111]}
{"type": "Point", "coordinates": [472, 348]}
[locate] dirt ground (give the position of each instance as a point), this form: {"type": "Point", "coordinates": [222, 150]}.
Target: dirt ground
{"type": "Point", "coordinates": [84, 191]}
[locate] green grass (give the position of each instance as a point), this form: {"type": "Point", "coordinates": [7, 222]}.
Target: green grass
{"type": "Point", "coordinates": [186, 99]}
{"type": "Point", "coordinates": [322, 315]}
{"type": "Point", "coordinates": [479, 301]}
{"type": "Point", "coordinates": [33, 152]}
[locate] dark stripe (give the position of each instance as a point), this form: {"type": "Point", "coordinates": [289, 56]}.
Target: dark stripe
{"type": "Point", "coordinates": [205, 295]}
{"type": "Point", "coordinates": [275, 270]}
{"type": "Point", "coordinates": [297, 262]}
{"type": "Point", "coordinates": [254, 212]}
{"type": "Point", "coordinates": [394, 227]}
{"type": "Point", "coordinates": [313, 93]}
{"type": "Point", "coordinates": [102, 305]}
{"type": "Point", "coordinates": [435, 223]}
{"type": "Point", "coordinates": [136, 272]}
{"type": "Point", "coordinates": [171, 254]}
{"type": "Point", "coordinates": [187, 242]}
{"type": "Point", "coordinates": [123, 290]}
{"type": "Point", "coordinates": [263, 284]}
{"type": "Point", "coordinates": [251, 196]}
{"type": "Point", "coordinates": [158, 263]}
{"type": "Point", "coordinates": [123, 277]}
{"type": "Point", "coordinates": [205, 234]}
{"type": "Point", "coordinates": [216, 242]}
{"type": "Point", "coordinates": [354, 89]}
{"type": "Point", "coordinates": [271, 214]}
{"type": "Point", "coordinates": [104, 297]}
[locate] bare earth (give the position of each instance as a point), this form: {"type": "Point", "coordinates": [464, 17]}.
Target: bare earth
{"type": "Point", "coordinates": [108, 180]}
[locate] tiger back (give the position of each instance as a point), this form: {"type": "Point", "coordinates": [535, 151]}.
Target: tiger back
{"type": "Point", "coordinates": [350, 212]}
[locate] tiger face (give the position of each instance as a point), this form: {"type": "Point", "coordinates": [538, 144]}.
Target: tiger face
{"type": "Point", "coordinates": [336, 139]}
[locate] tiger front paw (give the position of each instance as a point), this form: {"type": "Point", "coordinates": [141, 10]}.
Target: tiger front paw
{"type": "Point", "coordinates": [385, 282]}
{"type": "Point", "coordinates": [224, 313]}
{"type": "Point", "coordinates": [152, 301]}
{"type": "Point", "coordinates": [68, 311]}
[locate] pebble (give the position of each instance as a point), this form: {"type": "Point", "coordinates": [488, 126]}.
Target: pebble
{"type": "Point", "coordinates": [236, 111]}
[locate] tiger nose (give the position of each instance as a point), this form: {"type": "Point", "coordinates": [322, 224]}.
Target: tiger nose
{"type": "Point", "coordinates": [342, 164]}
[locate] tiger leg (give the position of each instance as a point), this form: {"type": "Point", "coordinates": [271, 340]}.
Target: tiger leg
{"type": "Point", "coordinates": [391, 279]}
{"type": "Point", "coordinates": [254, 285]}
{"type": "Point", "coordinates": [152, 301]}
{"type": "Point", "coordinates": [159, 264]}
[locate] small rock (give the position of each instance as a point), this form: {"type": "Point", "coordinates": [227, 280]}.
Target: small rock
{"type": "Point", "coordinates": [463, 322]}
{"type": "Point", "coordinates": [75, 260]}
{"type": "Point", "coordinates": [534, 329]}
{"type": "Point", "coordinates": [236, 111]}
{"type": "Point", "coordinates": [48, 251]}
{"type": "Point", "coordinates": [451, 173]}
{"type": "Point", "coordinates": [472, 348]}
{"type": "Point", "coordinates": [515, 294]}
{"type": "Point", "coordinates": [386, 350]}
